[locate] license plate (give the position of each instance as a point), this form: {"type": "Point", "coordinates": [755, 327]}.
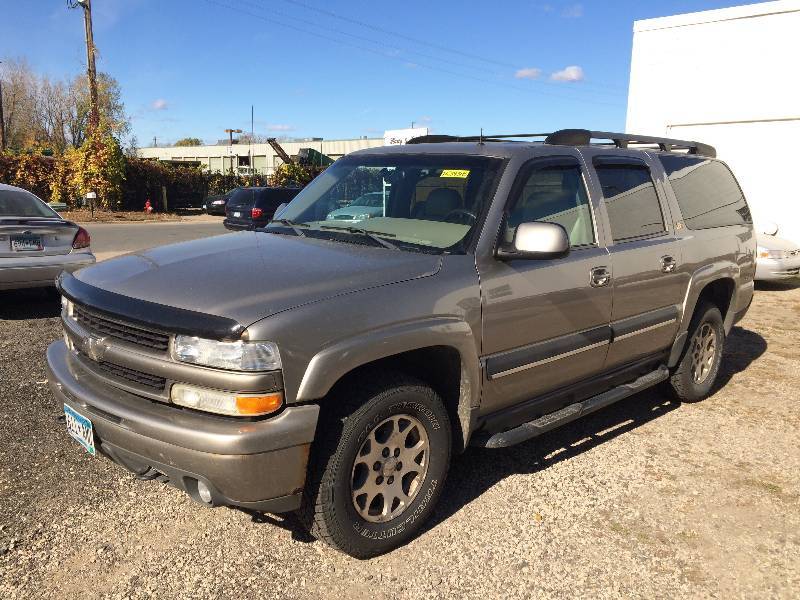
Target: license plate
{"type": "Point", "coordinates": [26, 243]}
{"type": "Point", "coordinates": [237, 214]}
{"type": "Point", "coordinates": [80, 428]}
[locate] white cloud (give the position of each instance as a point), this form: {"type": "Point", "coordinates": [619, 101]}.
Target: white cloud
{"type": "Point", "coordinates": [159, 104]}
{"type": "Point", "coordinates": [571, 74]}
{"type": "Point", "coordinates": [528, 73]}
{"type": "Point", "coordinates": [280, 127]}
{"type": "Point", "coordinates": [573, 11]}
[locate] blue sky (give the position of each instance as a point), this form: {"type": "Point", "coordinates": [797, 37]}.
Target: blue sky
{"type": "Point", "coordinates": [345, 69]}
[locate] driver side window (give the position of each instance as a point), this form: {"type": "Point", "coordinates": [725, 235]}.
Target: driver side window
{"type": "Point", "coordinates": [554, 193]}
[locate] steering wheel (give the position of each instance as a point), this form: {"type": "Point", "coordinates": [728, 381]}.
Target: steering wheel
{"type": "Point", "coordinates": [460, 216]}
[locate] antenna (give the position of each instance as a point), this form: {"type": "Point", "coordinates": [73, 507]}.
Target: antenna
{"type": "Point", "coordinates": [480, 139]}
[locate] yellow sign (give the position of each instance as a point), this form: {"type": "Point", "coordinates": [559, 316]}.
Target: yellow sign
{"type": "Point", "coordinates": [459, 173]}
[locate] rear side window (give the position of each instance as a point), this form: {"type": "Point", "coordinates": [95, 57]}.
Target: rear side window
{"type": "Point", "coordinates": [241, 198]}
{"type": "Point", "coordinates": [630, 198]}
{"type": "Point", "coordinates": [272, 197]}
{"type": "Point", "coordinates": [707, 192]}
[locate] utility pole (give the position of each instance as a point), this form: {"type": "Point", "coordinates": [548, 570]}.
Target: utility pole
{"type": "Point", "coordinates": [230, 133]}
{"type": "Point", "coordinates": [91, 72]}
{"type": "Point", "coordinates": [2, 119]}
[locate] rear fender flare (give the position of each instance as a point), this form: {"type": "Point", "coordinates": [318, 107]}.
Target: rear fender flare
{"type": "Point", "coordinates": [699, 280]}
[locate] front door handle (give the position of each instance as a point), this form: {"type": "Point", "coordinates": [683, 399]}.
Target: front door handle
{"type": "Point", "coordinates": [668, 264]}
{"type": "Point", "coordinates": [599, 277]}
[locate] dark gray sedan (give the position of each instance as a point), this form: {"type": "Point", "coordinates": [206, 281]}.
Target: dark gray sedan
{"type": "Point", "coordinates": [36, 244]}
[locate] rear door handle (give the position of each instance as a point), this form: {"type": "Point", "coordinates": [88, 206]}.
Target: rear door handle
{"type": "Point", "coordinates": [668, 264]}
{"type": "Point", "coordinates": [599, 276]}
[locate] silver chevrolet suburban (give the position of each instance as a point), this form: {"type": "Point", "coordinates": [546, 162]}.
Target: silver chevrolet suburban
{"type": "Point", "coordinates": [508, 285]}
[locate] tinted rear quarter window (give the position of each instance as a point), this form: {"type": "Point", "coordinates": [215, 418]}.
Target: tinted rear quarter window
{"type": "Point", "coordinates": [241, 198]}
{"type": "Point", "coordinates": [273, 197]}
{"type": "Point", "coordinates": [707, 192]}
{"type": "Point", "coordinates": [630, 198]}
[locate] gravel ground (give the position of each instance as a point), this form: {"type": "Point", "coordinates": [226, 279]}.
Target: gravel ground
{"type": "Point", "coordinates": [649, 498]}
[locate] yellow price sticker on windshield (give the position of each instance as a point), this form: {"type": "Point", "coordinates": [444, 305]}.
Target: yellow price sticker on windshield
{"type": "Point", "coordinates": [459, 173]}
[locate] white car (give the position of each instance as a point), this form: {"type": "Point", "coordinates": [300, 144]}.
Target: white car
{"type": "Point", "coordinates": [36, 244]}
{"type": "Point", "coordinates": [776, 258]}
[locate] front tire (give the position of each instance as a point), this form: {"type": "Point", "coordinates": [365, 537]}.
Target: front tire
{"type": "Point", "coordinates": [698, 369]}
{"type": "Point", "coordinates": [379, 467]}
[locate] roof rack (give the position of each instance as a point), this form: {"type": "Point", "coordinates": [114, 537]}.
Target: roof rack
{"type": "Point", "coordinates": [584, 137]}
{"type": "Point", "coordinates": [580, 137]}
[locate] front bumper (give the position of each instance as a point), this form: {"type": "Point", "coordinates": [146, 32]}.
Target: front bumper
{"type": "Point", "coordinates": [259, 465]}
{"type": "Point", "coordinates": [773, 269]}
{"type": "Point", "coordinates": [40, 271]}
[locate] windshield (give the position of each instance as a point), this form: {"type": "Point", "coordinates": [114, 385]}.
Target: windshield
{"type": "Point", "coordinates": [19, 203]}
{"type": "Point", "coordinates": [429, 202]}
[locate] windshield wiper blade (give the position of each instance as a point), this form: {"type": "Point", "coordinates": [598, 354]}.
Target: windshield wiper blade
{"type": "Point", "coordinates": [291, 225]}
{"type": "Point", "coordinates": [370, 234]}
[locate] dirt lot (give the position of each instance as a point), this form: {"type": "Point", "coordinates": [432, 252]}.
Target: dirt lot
{"type": "Point", "coordinates": [649, 498]}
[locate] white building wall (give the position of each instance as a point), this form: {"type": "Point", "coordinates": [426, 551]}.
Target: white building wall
{"type": "Point", "coordinates": [730, 78]}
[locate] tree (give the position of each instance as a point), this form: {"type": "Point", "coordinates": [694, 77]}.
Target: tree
{"type": "Point", "coordinates": [289, 174]}
{"type": "Point", "coordinates": [19, 104]}
{"type": "Point", "coordinates": [98, 166]}
{"type": "Point", "coordinates": [188, 141]}
{"type": "Point", "coordinates": [112, 109]}
{"type": "Point", "coordinates": [45, 114]}
{"type": "Point", "coordinates": [246, 138]}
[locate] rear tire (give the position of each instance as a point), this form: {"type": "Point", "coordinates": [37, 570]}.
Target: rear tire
{"type": "Point", "coordinates": [378, 465]}
{"type": "Point", "coordinates": [698, 369]}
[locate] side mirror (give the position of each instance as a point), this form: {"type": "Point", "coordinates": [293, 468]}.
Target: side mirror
{"type": "Point", "coordinates": [537, 240]}
{"type": "Point", "coordinates": [279, 210]}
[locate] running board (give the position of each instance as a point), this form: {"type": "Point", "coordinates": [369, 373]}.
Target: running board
{"type": "Point", "coordinates": [569, 413]}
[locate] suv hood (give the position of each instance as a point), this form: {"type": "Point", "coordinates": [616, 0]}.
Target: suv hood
{"type": "Point", "coordinates": [250, 275]}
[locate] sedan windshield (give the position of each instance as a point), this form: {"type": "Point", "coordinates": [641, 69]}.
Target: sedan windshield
{"type": "Point", "coordinates": [423, 202]}
{"type": "Point", "coordinates": [19, 203]}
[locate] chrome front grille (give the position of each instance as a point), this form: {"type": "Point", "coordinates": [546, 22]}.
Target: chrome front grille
{"type": "Point", "coordinates": [103, 326]}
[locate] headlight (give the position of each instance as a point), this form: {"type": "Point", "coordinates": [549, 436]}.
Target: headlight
{"type": "Point", "coordinates": [225, 403]}
{"type": "Point", "coordinates": [767, 253]}
{"type": "Point", "coordinates": [236, 356]}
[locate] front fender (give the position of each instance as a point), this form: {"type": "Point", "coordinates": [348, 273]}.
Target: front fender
{"type": "Point", "coordinates": [332, 363]}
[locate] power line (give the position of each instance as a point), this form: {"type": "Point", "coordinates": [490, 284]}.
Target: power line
{"type": "Point", "coordinates": [391, 47]}
{"type": "Point", "coordinates": [416, 63]}
{"type": "Point", "coordinates": [398, 34]}
{"type": "Point", "coordinates": [407, 37]}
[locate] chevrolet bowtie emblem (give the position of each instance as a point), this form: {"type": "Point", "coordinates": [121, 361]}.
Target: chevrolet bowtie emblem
{"type": "Point", "coordinates": [95, 347]}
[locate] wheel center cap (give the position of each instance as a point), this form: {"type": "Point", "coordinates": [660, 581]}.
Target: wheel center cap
{"type": "Point", "coordinates": [389, 466]}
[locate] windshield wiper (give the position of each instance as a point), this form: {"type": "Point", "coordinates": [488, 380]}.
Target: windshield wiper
{"type": "Point", "coordinates": [291, 225]}
{"type": "Point", "coordinates": [370, 234]}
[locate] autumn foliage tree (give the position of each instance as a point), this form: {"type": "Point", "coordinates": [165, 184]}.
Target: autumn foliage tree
{"type": "Point", "coordinates": [290, 174]}
{"type": "Point", "coordinates": [98, 166]}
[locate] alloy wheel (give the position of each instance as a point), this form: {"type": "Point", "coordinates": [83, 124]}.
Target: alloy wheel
{"type": "Point", "coordinates": [390, 468]}
{"type": "Point", "coordinates": [704, 351]}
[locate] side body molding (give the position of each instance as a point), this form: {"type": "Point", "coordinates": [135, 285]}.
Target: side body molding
{"type": "Point", "coordinates": [331, 363]}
